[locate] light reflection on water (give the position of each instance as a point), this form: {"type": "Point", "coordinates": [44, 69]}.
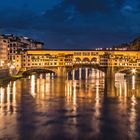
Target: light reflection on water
{"type": "Point", "coordinates": [39, 107]}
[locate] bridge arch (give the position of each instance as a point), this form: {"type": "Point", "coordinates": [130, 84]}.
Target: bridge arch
{"type": "Point", "coordinates": [94, 60]}
{"type": "Point", "coordinates": [78, 60]}
{"type": "Point", "coordinates": [86, 59]}
{"type": "Point", "coordinates": [95, 66]}
{"type": "Point", "coordinates": [38, 70]}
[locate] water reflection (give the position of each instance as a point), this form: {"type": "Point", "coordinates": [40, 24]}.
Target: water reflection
{"type": "Point", "coordinates": [8, 98]}
{"type": "Point", "coordinates": [33, 85]}
{"type": "Point", "coordinates": [1, 95]}
{"type": "Point", "coordinates": [132, 118]}
{"type": "Point", "coordinates": [8, 111]}
{"type": "Point", "coordinates": [133, 82]}
{"type": "Point", "coordinates": [32, 108]}
{"type": "Point", "coordinates": [127, 86]}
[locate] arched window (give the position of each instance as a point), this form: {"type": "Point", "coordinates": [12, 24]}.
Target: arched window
{"type": "Point", "coordinates": [85, 60]}
{"type": "Point", "coordinates": [94, 60]}
{"type": "Point", "coordinates": [78, 60]}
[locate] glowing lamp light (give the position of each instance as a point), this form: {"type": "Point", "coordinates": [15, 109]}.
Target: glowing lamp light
{"type": "Point", "coordinates": [133, 71]}
{"type": "Point", "coordinates": [8, 64]}
{"type": "Point", "coordinates": [12, 67]}
{"type": "Point", "coordinates": [1, 63]}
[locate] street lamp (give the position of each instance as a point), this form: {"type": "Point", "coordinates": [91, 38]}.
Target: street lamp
{"type": "Point", "coordinates": [133, 71]}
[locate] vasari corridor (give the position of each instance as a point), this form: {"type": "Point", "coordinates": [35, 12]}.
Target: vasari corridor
{"type": "Point", "coordinates": [70, 70]}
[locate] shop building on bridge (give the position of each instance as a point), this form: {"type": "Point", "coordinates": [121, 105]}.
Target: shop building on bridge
{"type": "Point", "coordinates": [69, 58]}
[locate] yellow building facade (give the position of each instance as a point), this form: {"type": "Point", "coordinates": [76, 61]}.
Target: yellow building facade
{"type": "Point", "coordinates": [69, 58]}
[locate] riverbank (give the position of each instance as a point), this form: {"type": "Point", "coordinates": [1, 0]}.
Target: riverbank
{"type": "Point", "coordinates": [7, 79]}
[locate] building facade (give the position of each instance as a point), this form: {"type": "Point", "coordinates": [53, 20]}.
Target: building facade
{"type": "Point", "coordinates": [12, 48]}
{"type": "Point", "coordinates": [32, 59]}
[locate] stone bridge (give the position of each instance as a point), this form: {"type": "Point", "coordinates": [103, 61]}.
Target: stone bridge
{"type": "Point", "coordinates": [62, 61]}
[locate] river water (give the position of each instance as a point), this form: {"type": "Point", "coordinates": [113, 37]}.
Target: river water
{"type": "Point", "coordinates": [42, 108]}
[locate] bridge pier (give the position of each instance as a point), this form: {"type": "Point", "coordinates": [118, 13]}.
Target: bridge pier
{"type": "Point", "coordinates": [110, 81]}
{"type": "Point", "coordinates": [80, 73]}
{"type": "Point", "coordinates": [86, 73]}
{"type": "Point", "coordinates": [73, 74]}
{"type": "Point", "coordinates": [62, 72]}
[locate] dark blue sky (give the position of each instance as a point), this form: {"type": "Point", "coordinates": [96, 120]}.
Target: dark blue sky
{"type": "Point", "coordinates": [72, 23]}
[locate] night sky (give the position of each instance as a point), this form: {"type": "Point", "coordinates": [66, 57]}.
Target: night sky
{"type": "Point", "coordinates": [72, 23]}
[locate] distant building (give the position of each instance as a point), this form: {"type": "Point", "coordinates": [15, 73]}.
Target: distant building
{"type": "Point", "coordinates": [134, 45]}
{"type": "Point", "coordinates": [11, 47]}
{"type": "Point", "coordinates": [30, 43]}
{"type": "Point", "coordinates": [3, 52]}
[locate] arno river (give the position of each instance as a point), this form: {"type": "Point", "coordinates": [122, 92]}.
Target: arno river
{"type": "Point", "coordinates": [42, 108]}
